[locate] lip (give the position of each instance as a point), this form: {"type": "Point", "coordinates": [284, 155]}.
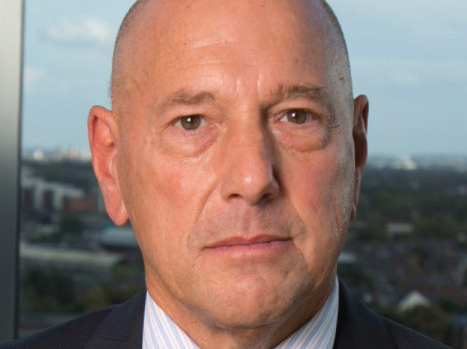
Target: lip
{"type": "Point", "coordinates": [245, 241]}
{"type": "Point", "coordinates": [257, 248]}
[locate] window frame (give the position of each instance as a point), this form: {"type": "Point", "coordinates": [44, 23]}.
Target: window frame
{"type": "Point", "coordinates": [11, 41]}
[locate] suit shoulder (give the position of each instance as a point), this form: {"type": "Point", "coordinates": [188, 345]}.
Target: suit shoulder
{"type": "Point", "coordinates": [123, 320]}
{"type": "Point", "coordinates": [70, 335]}
{"type": "Point", "coordinates": [360, 327]}
{"type": "Point", "coordinates": [406, 338]}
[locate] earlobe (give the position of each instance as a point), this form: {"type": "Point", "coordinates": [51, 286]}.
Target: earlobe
{"type": "Point", "coordinates": [360, 125]}
{"type": "Point", "coordinates": [103, 136]}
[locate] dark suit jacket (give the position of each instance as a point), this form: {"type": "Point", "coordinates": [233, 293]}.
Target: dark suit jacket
{"type": "Point", "coordinates": [121, 326]}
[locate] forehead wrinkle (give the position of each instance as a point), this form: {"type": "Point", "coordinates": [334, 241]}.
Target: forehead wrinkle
{"type": "Point", "coordinates": [296, 91]}
{"type": "Point", "coordinates": [185, 97]}
{"type": "Point", "coordinates": [206, 43]}
{"type": "Point", "coordinates": [334, 43]}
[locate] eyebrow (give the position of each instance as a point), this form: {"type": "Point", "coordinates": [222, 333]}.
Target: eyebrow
{"type": "Point", "coordinates": [282, 92]}
{"type": "Point", "coordinates": [298, 91]}
{"type": "Point", "coordinates": [310, 92]}
{"type": "Point", "coordinates": [184, 97]}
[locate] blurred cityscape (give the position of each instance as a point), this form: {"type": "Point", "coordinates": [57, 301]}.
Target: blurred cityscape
{"type": "Point", "coordinates": [405, 254]}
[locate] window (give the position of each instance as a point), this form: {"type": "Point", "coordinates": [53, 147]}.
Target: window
{"type": "Point", "coordinates": [72, 258]}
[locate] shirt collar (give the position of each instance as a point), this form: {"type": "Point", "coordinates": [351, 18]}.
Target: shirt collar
{"type": "Point", "coordinates": [160, 331]}
{"type": "Point", "coordinates": [320, 331]}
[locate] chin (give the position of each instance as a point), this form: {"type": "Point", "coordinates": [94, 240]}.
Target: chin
{"type": "Point", "coordinates": [250, 317]}
{"type": "Point", "coordinates": [252, 304]}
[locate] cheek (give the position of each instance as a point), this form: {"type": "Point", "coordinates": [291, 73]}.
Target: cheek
{"type": "Point", "coordinates": [320, 189]}
{"type": "Point", "coordinates": [157, 197]}
{"type": "Point", "coordinates": [168, 198]}
{"type": "Point", "coordinates": [164, 197]}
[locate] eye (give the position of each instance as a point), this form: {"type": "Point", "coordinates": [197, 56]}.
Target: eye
{"type": "Point", "coordinates": [190, 122]}
{"type": "Point", "coordinates": [298, 116]}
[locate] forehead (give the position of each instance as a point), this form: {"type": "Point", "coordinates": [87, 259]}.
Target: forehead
{"type": "Point", "coordinates": [210, 22]}
{"type": "Point", "coordinates": [185, 42]}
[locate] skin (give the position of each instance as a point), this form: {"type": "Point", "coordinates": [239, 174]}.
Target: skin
{"type": "Point", "coordinates": [241, 220]}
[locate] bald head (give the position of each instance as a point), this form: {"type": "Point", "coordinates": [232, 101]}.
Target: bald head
{"type": "Point", "coordinates": [336, 42]}
{"type": "Point", "coordinates": [119, 54]}
{"type": "Point", "coordinates": [239, 126]}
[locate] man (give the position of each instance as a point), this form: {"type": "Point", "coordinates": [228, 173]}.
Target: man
{"type": "Point", "coordinates": [236, 149]}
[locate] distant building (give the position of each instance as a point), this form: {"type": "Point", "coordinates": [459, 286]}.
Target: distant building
{"type": "Point", "coordinates": [358, 225]}
{"type": "Point", "coordinates": [41, 155]}
{"type": "Point", "coordinates": [456, 335]}
{"type": "Point", "coordinates": [39, 194]}
{"type": "Point", "coordinates": [118, 239]}
{"type": "Point", "coordinates": [404, 163]}
{"type": "Point", "coordinates": [412, 300]}
{"type": "Point", "coordinates": [458, 163]}
{"type": "Point", "coordinates": [398, 229]}
{"type": "Point", "coordinates": [347, 258]}
{"type": "Point", "coordinates": [69, 260]}
{"type": "Point", "coordinates": [91, 201]}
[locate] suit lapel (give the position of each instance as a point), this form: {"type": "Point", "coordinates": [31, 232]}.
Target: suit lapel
{"type": "Point", "coordinates": [123, 328]}
{"type": "Point", "coordinates": [358, 327]}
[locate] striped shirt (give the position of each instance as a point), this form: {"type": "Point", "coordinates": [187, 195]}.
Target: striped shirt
{"type": "Point", "coordinates": [161, 332]}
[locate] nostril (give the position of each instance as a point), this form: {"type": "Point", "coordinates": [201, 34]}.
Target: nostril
{"type": "Point", "coordinates": [235, 196]}
{"type": "Point", "coordinates": [271, 191]}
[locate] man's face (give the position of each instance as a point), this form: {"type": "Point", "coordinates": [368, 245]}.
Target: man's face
{"type": "Point", "coordinates": [235, 159]}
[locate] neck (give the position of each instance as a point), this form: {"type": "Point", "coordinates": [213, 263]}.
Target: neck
{"type": "Point", "coordinates": [207, 333]}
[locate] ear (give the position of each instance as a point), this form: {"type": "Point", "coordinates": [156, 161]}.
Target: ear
{"type": "Point", "coordinates": [360, 124]}
{"type": "Point", "coordinates": [103, 137]}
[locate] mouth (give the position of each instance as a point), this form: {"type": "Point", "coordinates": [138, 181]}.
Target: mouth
{"type": "Point", "coordinates": [243, 241]}
{"type": "Point", "coordinates": [240, 246]}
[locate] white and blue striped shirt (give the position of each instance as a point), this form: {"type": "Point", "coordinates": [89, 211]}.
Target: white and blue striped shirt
{"type": "Point", "coordinates": [161, 332]}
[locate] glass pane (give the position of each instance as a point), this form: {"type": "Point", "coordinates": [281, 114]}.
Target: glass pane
{"type": "Point", "coordinates": [405, 254]}
{"type": "Point", "coordinates": [73, 259]}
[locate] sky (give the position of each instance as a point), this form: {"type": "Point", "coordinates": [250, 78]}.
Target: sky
{"type": "Point", "coordinates": [408, 56]}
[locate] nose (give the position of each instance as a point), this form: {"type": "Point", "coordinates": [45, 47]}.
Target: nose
{"type": "Point", "coordinates": [249, 168]}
